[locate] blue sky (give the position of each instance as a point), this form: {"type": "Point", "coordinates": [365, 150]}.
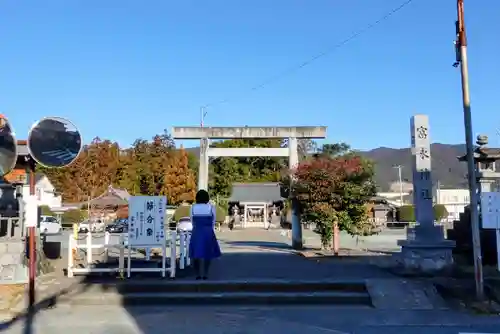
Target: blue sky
{"type": "Point", "coordinates": [127, 69]}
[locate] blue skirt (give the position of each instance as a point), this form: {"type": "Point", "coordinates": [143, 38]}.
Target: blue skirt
{"type": "Point", "coordinates": [203, 244]}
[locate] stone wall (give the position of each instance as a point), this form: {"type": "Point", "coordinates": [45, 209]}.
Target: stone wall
{"type": "Point", "coordinates": [12, 262]}
{"type": "Point", "coordinates": [461, 233]}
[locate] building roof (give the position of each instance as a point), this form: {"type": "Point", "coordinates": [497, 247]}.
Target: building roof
{"type": "Point", "coordinates": [256, 192]}
{"type": "Point", "coordinates": [111, 197]}
{"type": "Point", "coordinates": [18, 176]}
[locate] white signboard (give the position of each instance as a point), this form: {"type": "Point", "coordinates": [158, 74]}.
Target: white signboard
{"type": "Point", "coordinates": [146, 220]}
{"type": "Point", "coordinates": [490, 210]}
{"type": "Point", "coordinates": [30, 211]}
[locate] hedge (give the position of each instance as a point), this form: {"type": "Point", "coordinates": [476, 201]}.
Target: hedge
{"type": "Point", "coordinates": [406, 213]}
{"type": "Point", "coordinates": [185, 211]}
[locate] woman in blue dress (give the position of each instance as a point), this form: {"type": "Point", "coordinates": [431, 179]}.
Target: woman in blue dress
{"type": "Point", "coordinates": [203, 247]}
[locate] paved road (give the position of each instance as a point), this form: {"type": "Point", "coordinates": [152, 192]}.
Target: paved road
{"type": "Point", "coordinates": [260, 256]}
{"type": "Point", "coordinates": [386, 241]}
{"type": "Point", "coordinates": [250, 320]}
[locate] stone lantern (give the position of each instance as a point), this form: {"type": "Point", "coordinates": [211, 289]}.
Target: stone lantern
{"type": "Point", "coordinates": [485, 159]}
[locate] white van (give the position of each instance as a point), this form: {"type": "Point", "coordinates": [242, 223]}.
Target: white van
{"type": "Point", "coordinates": [49, 225]}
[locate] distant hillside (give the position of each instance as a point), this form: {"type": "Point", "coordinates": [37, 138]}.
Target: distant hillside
{"type": "Point", "coordinates": [445, 167]}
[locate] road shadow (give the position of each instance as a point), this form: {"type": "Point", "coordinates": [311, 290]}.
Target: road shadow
{"type": "Point", "coordinates": [265, 245]}
{"type": "Point", "coordinates": [151, 312]}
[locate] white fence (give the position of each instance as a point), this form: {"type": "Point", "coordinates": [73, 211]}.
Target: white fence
{"type": "Point", "coordinates": [175, 243]}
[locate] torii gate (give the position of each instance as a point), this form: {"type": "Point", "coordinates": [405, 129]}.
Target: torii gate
{"type": "Point", "coordinates": [205, 134]}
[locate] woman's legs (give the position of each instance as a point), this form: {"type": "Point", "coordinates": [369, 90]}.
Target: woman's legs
{"type": "Point", "coordinates": [206, 267]}
{"type": "Point", "coordinates": [197, 268]}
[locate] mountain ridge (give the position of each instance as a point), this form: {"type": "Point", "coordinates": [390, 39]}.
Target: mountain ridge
{"type": "Point", "coordinates": [446, 169]}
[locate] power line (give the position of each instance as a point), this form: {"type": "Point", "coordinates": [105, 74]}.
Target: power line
{"type": "Point", "coordinates": [326, 52]}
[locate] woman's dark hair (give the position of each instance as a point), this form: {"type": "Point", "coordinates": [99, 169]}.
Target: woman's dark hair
{"type": "Point", "coordinates": [202, 197]}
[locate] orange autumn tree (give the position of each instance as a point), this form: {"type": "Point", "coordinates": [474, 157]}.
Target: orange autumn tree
{"type": "Point", "coordinates": [180, 184]}
{"type": "Point", "coordinates": [90, 175]}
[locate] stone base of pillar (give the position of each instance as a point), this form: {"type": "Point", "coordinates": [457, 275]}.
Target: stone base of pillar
{"type": "Point", "coordinates": [425, 257]}
{"type": "Point", "coordinates": [425, 251]}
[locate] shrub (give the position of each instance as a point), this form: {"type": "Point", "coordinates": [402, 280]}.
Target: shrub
{"type": "Point", "coordinates": [185, 211]}
{"type": "Point", "coordinates": [74, 216]}
{"type": "Point", "coordinates": [46, 211]}
{"type": "Point", "coordinates": [440, 212]}
{"type": "Point", "coordinates": [406, 213]}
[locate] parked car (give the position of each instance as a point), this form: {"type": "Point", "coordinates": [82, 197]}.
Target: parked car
{"type": "Point", "coordinates": [90, 225]}
{"type": "Point", "coordinates": [119, 226]}
{"type": "Point", "coordinates": [49, 225]}
{"type": "Point", "coordinates": [185, 225]}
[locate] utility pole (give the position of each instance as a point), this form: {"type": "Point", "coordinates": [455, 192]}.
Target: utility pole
{"type": "Point", "coordinates": [399, 167]}
{"type": "Point", "coordinates": [31, 243]}
{"type": "Point", "coordinates": [203, 113]}
{"type": "Point", "coordinates": [438, 192]}
{"type": "Point", "coordinates": [203, 171]}
{"type": "Point", "coordinates": [461, 54]}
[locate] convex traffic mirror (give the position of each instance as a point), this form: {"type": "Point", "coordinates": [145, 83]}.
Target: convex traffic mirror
{"type": "Point", "coordinates": [54, 142]}
{"type": "Point", "coordinates": [8, 147]}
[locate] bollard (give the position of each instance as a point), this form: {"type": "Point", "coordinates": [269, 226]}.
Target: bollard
{"type": "Point", "coordinates": [75, 231]}
{"type": "Point", "coordinates": [121, 258]}
{"type": "Point", "coordinates": [173, 253]}
{"type": "Point", "coordinates": [71, 259]}
{"type": "Point", "coordinates": [188, 241]}
{"type": "Point", "coordinates": [89, 248]}
{"type": "Point", "coordinates": [182, 254]}
{"type": "Point", "coordinates": [107, 237]}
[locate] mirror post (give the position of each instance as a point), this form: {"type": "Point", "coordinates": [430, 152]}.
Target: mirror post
{"type": "Point", "coordinates": [32, 244]}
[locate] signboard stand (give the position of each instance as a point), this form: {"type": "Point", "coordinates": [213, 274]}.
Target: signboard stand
{"type": "Point", "coordinates": [490, 216]}
{"type": "Point", "coordinates": [146, 229]}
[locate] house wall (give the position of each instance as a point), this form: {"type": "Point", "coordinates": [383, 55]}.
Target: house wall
{"type": "Point", "coordinates": [455, 201]}
{"type": "Point", "coordinates": [44, 190]}
{"type": "Point", "coordinates": [45, 193]}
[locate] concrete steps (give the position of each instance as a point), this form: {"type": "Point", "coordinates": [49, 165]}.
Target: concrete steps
{"type": "Point", "coordinates": [164, 292]}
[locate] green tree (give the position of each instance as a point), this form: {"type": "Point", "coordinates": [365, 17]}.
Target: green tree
{"type": "Point", "coordinates": [334, 191]}
{"type": "Point", "coordinates": [224, 171]}
{"type": "Point", "coordinates": [440, 212]}
{"type": "Point", "coordinates": [335, 150]}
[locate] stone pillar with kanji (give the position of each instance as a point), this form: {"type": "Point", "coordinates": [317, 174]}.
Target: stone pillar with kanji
{"type": "Point", "coordinates": [425, 248]}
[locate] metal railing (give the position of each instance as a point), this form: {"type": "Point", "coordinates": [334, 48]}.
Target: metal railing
{"type": "Point", "coordinates": [10, 228]}
{"type": "Point", "coordinates": [176, 243]}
